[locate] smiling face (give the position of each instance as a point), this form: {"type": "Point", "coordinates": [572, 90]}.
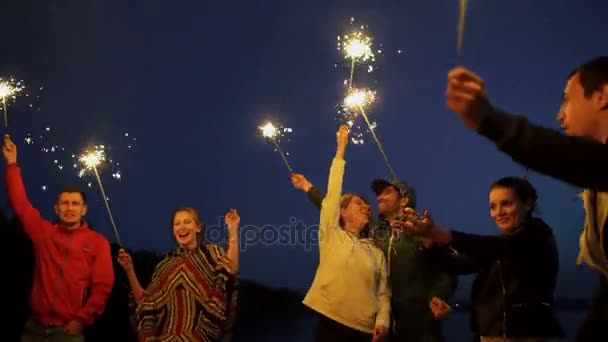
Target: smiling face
{"type": "Point", "coordinates": [355, 211]}
{"type": "Point", "coordinates": [507, 210]}
{"type": "Point", "coordinates": [186, 227]}
{"type": "Point", "coordinates": [389, 201]}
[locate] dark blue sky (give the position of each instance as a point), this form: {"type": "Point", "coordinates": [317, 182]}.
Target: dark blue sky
{"type": "Point", "coordinates": [192, 81]}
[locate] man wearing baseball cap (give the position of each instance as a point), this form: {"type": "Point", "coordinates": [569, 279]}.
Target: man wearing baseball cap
{"type": "Point", "coordinates": [420, 289]}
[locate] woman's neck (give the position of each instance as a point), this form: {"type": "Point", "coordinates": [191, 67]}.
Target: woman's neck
{"type": "Point", "coordinates": [189, 247]}
{"type": "Point", "coordinates": [352, 229]}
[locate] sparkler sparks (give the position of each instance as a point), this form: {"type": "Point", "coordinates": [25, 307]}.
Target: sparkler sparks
{"type": "Point", "coordinates": [91, 160]}
{"type": "Point", "coordinates": [272, 134]}
{"type": "Point", "coordinates": [9, 90]}
{"type": "Point", "coordinates": [46, 143]}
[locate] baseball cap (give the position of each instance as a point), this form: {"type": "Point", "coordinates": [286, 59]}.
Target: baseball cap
{"type": "Point", "coordinates": [404, 188]}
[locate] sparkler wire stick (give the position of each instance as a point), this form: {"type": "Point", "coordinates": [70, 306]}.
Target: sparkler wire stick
{"type": "Point", "coordinates": [4, 107]}
{"type": "Point", "coordinates": [352, 73]}
{"type": "Point", "coordinates": [276, 144]}
{"type": "Point", "coordinates": [461, 22]}
{"type": "Point", "coordinates": [377, 142]}
{"type": "Point", "coordinates": [105, 200]}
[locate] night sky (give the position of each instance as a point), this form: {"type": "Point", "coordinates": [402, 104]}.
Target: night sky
{"type": "Point", "coordinates": [192, 80]}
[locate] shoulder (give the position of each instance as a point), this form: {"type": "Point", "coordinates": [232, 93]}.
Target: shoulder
{"type": "Point", "coordinates": [100, 242]}
{"type": "Point", "coordinates": [217, 252]}
{"type": "Point", "coordinates": [539, 226]}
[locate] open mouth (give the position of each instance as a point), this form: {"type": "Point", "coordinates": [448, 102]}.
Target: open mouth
{"type": "Point", "coordinates": [183, 235]}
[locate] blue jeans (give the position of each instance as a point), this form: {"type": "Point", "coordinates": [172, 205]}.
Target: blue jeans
{"type": "Point", "coordinates": [34, 332]}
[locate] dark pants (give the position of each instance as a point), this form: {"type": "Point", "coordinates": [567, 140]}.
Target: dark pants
{"type": "Point", "coordinates": [35, 332]}
{"type": "Point", "coordinates": [331, 331]}
{"type": "Point", "coordinates": [595, 325]}
{"type": "Point", "coordinates": [415, 323]}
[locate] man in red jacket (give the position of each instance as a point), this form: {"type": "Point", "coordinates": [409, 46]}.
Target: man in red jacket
{"type": "Point", "coordinates": [73, 274]}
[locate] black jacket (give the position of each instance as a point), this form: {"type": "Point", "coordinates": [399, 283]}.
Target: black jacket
{"type": "Point", "coordinates": [579, 161]}
{"type": "Point", "coordinates": [512, 295]}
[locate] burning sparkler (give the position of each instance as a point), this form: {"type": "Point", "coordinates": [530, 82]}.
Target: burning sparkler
{"type": "Point", "coordinates": [356, 46]}
{"type": "Point", "coordinates": [360, 99]}
{"type": "Point", "coordinates": [9, 89]}
{"type": "Point", "coordinates": [91, 160]}
{"type": "Point", "coordinates": [272, 134]}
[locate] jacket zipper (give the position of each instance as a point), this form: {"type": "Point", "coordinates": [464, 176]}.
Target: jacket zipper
{"type": "Point", "coordinates": [61, 273]}
{"type": "Point", "coordinates": [504, 303]}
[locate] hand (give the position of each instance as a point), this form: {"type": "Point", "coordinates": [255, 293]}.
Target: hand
{"type": "Point", "coordinates": [232, 220]}
{"type": "Point", "coordinates": [300, 182]}
{"type": "Point", "coordinates": [9, 150]}
{"type": "Point", "coordinates": [466, 97]}
{"type": "Point", "coordinates": [420, 226]}
{"type": "Point", "coordinates": [380, 334]}
{"type": "Point", "coordinates": [124, 260]}
{"type": "Point", "coordinates": [439, 308]}
{"type": "Point", "coordinates": [342, 137]}
{"type": "Point", "coordinates": [73, 328]}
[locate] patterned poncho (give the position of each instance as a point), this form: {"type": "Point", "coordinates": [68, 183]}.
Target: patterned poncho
{"type": "Point", "coordinates": [192, 297]}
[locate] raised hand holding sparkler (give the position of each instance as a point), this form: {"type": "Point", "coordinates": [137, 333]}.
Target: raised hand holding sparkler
{"type": "Point", "coordinates": [91, 160]}
{"type": "Point", "coordinates": [272, 134]}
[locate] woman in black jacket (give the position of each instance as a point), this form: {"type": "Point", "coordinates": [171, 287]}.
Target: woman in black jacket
{"type": "Point", "coordinates": [512, 296]}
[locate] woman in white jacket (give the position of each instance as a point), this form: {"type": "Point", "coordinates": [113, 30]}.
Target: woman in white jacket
{"type": "Point", "coordinates": [350, 291]}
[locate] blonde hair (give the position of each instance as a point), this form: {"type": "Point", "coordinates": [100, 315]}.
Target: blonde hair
{"type": "Point", "coordinates": [195, 216]}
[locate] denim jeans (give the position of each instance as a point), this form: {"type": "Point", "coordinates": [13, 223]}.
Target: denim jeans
{"type": "Point", "coordinates": [35, 332]}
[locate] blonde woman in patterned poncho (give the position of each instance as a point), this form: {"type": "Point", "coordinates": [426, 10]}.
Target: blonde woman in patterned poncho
{"type": "Point", "coordinates": [193, 292]}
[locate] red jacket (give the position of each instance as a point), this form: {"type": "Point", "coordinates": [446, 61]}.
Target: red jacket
{"type": "Point", "coordinates": [73, 275]}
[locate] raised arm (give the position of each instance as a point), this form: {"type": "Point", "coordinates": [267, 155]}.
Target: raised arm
{"type": "Point", "coordinates": [315, 195]}
{"type": "Point", "coordinates": [232, 221]}
{"type": "Point", "coordinates": [330, 208]}
{"type": "Point", "coordinates": [30, 217]}
{"type": "Point", "coordinates": [102, 281]}
{"type": "Point", "coordinates": [480, 248]}
{"type": "Point", "coordinates": [575, 160]}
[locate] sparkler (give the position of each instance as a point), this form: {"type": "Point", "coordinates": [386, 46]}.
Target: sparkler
{"type": "Point", "coordinates": [356, 46]}
{"type": "Point", "coordinates": [272, 134]}
{"type": "Point", "coordinates": [91, 160]}
{"type": "Point", "coordinates": [461, 22]}
{"type": "Point", "coordinates": [360, 99]}
{"type": "Point", "coordinates": [9, 89]}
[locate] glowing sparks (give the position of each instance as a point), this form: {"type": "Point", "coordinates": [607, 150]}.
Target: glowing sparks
{"type": "Point", "coordinates": [269, 131]}
{"type": "Point", "coordinates": [357, 46]}
{"type": "Point", "coordinates": [91, 160]}
{"type": "Point", "coordinates": [359, 98]}
{"type": "Point", "coordinates": [272, 133]}
{"type": "Point", "coordinates": [9, 89]}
